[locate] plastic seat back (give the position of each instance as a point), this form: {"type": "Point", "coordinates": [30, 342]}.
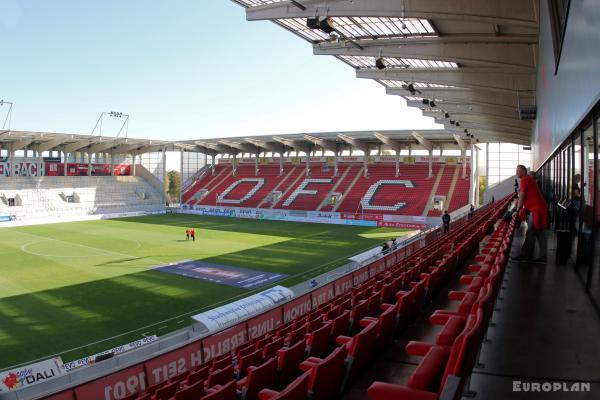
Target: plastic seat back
{"type": "Point", "coordinates": [259, 378]}
{"type": "Point", "coordinates": [288, 360]}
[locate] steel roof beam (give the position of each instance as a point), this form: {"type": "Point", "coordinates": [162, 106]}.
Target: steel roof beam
{"type": "Point", "coordinates": [501, 111]}
{"type": "Point", "coordinates": [424, 142]}
{"type": "Point", "coordinates": [495, 79]}
{"type": "Point", "coordinates": [461, 95]}
{"type": "Point", "coordinates": [516, 52]}
{"type": "Point", "coordinates": [500, 12]}
{"type": "Point", "coordinates": [325, 144]}
{"type": "Point", "coordinates": [19, 144]}
{"type": "Point", "coordinates": [48, 145]}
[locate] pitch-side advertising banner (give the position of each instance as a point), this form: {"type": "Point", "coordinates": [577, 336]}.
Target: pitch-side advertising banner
{"type": "Point", "coordinates": [42, 371]}
{"type": "Point", "coordinates": [238, 311]}
{"type": "Point", "coordinates": [69, 366]}
{"type": "Point", "coordinates": [329, 160]}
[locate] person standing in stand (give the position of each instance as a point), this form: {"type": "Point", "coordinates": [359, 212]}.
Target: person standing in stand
{"type": "Point", "coordinates": [532, 207]}
{"type": "Point", "coordinates": [446, 221]}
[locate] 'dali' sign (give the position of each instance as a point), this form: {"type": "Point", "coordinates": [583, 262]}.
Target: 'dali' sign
{"type": "Point", "coordinates": [31, 374]}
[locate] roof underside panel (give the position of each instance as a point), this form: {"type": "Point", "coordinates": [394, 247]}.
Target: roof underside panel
{"type": "Point", "coordinates": [393, 62]}
{"type": "Point", "coordinates": [362, 28]}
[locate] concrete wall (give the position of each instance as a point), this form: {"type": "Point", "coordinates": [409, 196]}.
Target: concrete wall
{"type": "Point", "coordinates": [564, 98]}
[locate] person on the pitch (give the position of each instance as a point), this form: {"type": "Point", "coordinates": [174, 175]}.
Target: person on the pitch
{"type": "Point", "coordinates": [193, 234]}
{"type": "Point", "coordinates": [187, 234]}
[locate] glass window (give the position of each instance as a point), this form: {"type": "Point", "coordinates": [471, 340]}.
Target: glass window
{"type": "Point", "coordinates": [593, 278]}
{"type": "Point", "coordinates": [584, 210]}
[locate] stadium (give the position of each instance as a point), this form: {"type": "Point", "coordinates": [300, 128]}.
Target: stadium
{"type": "Point", "coordinates": [461, 260]}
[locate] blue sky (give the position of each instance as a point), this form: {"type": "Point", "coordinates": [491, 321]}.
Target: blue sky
{"type": "Point", "coordinates": [181, 69]}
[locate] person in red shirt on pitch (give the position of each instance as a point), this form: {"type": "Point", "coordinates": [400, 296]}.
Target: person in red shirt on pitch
{"type": "Point", "coordinates": [187, 234]}
{"type": "Point", "coordinates": [531, 205]}
{"type": "Point", "coordinates": [193, 234]}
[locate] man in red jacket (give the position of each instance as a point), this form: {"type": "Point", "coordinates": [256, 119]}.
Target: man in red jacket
{"type": "Point", "coordinates": [531, 202]}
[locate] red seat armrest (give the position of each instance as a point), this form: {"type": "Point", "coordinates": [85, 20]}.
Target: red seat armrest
{"type": "Point", "coordinates": [455, 295]}
{"type": "Point", "coordinates": [388, 391]}
{"type": "Point", "coordinates": [415, 348]}
{"type": "Point", "coordinates": [366, 321]}
{"type": "Point", "coordinates": [266, 394]}
{"type": "Point", "coordinates": [342, 339]}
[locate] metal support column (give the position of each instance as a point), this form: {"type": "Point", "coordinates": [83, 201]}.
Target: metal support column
{"type": "Point", "coordinates": [308, 163]}
{"type": "Point", "coordinates": [89, 172]}
{"type": "Point", "coordinates": [464, 166]}
{"type": "Point", "coordinates": [487, 165]}
{"type": "Point", "coordinates": [335, 163]}
{"type": "Point", "coordinates": [11, 163]}
{"type": "Point", "coordinates": [181, 177]}
{"type": "Point", "coordinates": [164, 175]}
{"type": "Point", "coordinates": [112, 162]}
{"type": "Point", "coordinates": [65, 163]}
{"type": "Point", "coordinates": [430, 164]}
{"type": "Point", "coordinates": [281, 163]}
{"type": "Point", "coordinates": [40, 161]}
{"type": "Point", "coordinates": [397, 163]}
{"type": "Point", "coordinates": [256, 169]}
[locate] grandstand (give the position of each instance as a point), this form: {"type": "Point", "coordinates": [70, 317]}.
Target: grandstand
{"type": "Point", "coordinates": [374, 189]}
{"type": "Point", "coordinates": [37, 198]}
{"type": "Point", "coordinates": [305, 304]}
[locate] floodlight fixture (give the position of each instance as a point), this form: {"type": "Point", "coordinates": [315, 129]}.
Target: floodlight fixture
{"type": "Point", "coordinates": [452, 122]}
{"type": "Point", "coordinates": [326, 25]}
{"type": "Point", "coordinates": [431, 103]}
{"type": "Point", "coordinates": [313, 23]}
{"type": "Point", "coordinates": [446, 115]}
{"type": "Point", "coordinates": [380, 63]}
{"type": "Point", "coordinates": [8, 118]}
{"type": "Point", "coordinates": [426, 101]}
{"type": "Point", "coordinates": [112, 114]}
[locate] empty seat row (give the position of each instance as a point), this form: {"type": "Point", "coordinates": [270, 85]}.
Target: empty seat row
{"type": "Point", "coordinates": [456, 347]}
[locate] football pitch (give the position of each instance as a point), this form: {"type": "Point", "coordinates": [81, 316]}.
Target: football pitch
{"type": "Point", "coordinates": [74, 289]}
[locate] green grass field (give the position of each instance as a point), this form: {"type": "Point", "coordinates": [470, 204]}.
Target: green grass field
{"type": "Point", "coordinates": [74, 289]}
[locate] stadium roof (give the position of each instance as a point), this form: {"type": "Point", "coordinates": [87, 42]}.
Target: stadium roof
{"type": "Point", "coordinates": [46, 141]}
{"type": "Point", "coordinates": [475, 59]}
{"type": "Point", "coordinates": [332, 141]}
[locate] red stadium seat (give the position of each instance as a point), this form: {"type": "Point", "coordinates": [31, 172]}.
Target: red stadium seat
{"type": "Point", "coordinates": [166, 392]}
{"type": "Point", "coordinates": [220, 376]}
{"type": "Point", "coordinates": [192, 392]}
{"type": "Point", "coordinates": [296, 390]}
{"type": "Point", "coordinates": [222, 392]}
{"type": "Point", "coordinates": [318, 342]}
{"type": "Point", "coordinates": [271, 348]}
{"type": "Point", "coordinates": [360, 347]}
{"type": "Point", "coordinates": [288, 360]}
{"type": "Point", "coordinates": [326, 375]}
{"type": "Point", "coordinates": [260, 377]}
